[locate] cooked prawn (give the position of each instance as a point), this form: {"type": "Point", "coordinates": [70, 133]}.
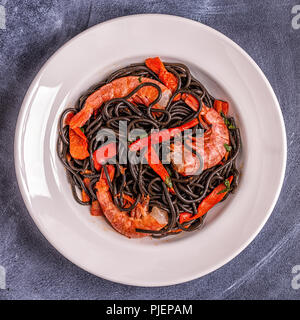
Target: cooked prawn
{"type": "Point", "coordinates": [120, 88]}
{"type": "Point", "coordinates": [123, 222]}
{"type": "Point", "coordinates": [210, 146]}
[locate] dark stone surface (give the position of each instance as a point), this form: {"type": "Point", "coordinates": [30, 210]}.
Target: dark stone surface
{"type": "Point", "coordinates": [34, 31]}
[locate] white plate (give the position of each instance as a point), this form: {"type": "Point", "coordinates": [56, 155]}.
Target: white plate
{"type": "Point", "coordinates": [228, 72]}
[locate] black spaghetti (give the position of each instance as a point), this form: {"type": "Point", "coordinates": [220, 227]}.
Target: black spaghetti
{"type": "Point", "coordinates": [140, 181]}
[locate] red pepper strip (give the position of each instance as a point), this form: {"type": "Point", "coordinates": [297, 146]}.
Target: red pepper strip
{"type": "Point", "coordinates": [192, 102]}
{"type": "Point", "coordinates": [122, 170]}
{"type": "Point", "coordinates": [211, 200]}
{"type": "Point", "coordinates": [177, 97]}
{"type": "Point", "coordinates": [154, 162]}
{"type": "Point", "coordinates": [96, 209]}
{"type": "Point", "coordinates": [189, 99]}
{"type": "Point", "coordinates": [171, 82]}
{"type": "Point", "coordinates": [161, 136]}
{"type": "Point", "coordinates": [104, 153]}
{"type": "Point", "coordinates": [166, 77]}
{"type": "Point", "coordinates": [80, 133]}
{"type": "Point", "coordinates": [84, 195]}
{"type": "Point", "coordinates": [226, 155]}
{"type": "Point", "coordinates": [221, 106]}
{"type": "Point", "coordinates": [111, 173]}
{"type": "Point", "coordinates": [97, 165]}
{"type": "Point", "coordinates": [78, 144]}
{"type": "Point", "coordinates": [184, 216]}
{"type": "Point", "coordinates": [68, 118]}
{"type": "Point", "coordinates": [129, 200]}
{"type": "Point", "coordinates": [78, 141]}
{"type": "Point", "coordinates": [86, 181]}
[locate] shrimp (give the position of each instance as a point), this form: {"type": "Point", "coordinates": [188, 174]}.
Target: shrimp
{"type": "Point", "coordinates": [139, 217]}
{"type": "Point", "coordinates": [120, 88]}
{"type": "Point", "coordinates": [210, 146]}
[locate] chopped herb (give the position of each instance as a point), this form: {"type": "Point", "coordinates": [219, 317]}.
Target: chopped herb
{"type": "Point", "coordinates": [140, 79]}
{"type": "Point", "coordinates": [227, 184]}
{"type": "Point", "coordinates": [223, 116]}
{"type": "Point", "coordinates": [227, 147]}
{"type": "Point", "coordinates": [82, 130]}
{"type": "Point", "coordinates": [169, 171]}
{"type": "Point", "coordinates": [227, 122]}
{"type": "Point", "coordinates": [222, 191]}
{"type": "Point", "coordinates": [168, 182]}
{"type": "Point", "coordinates": [227, 187]}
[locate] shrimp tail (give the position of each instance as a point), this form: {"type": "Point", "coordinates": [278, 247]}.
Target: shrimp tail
{"type": "Point", "coordinates": [121, 221]}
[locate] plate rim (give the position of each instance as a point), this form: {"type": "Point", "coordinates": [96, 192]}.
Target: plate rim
{"type": "Point", "coordinates": [24, 109]}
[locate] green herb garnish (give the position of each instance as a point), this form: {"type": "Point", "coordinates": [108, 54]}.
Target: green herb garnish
{"type": "Point", "coordinates": [169, 171]}
{"type": "Point", "coordinates": [227, 122]}
{"type": "Point", "coordinates": [82, 130]}
{"type": "Point", "coordinates": [227, 147]}
{"type": "Point", "coordinates": [140, 79]}
{"type": "Point", "coordinates": [227, 184]}
{"type": "Point", "coordinates": [227, 187]}
{"type": "Point", "coordinates": [168, 182]}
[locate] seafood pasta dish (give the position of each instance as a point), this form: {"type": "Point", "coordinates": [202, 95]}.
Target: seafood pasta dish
{"type": "Point", "coordinates": [150, 150]}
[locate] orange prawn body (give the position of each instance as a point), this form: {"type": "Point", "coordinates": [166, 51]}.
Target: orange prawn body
{"type": "Point", "coordinates": [210, 147]}
{"type": "Point", "coordinates": [121, 221]}
{"type": "Point", "coordinates": [120, 88]}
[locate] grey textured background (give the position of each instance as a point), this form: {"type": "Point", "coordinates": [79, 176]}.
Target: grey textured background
{"type": "Point", "coordinates": [34, 31]}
